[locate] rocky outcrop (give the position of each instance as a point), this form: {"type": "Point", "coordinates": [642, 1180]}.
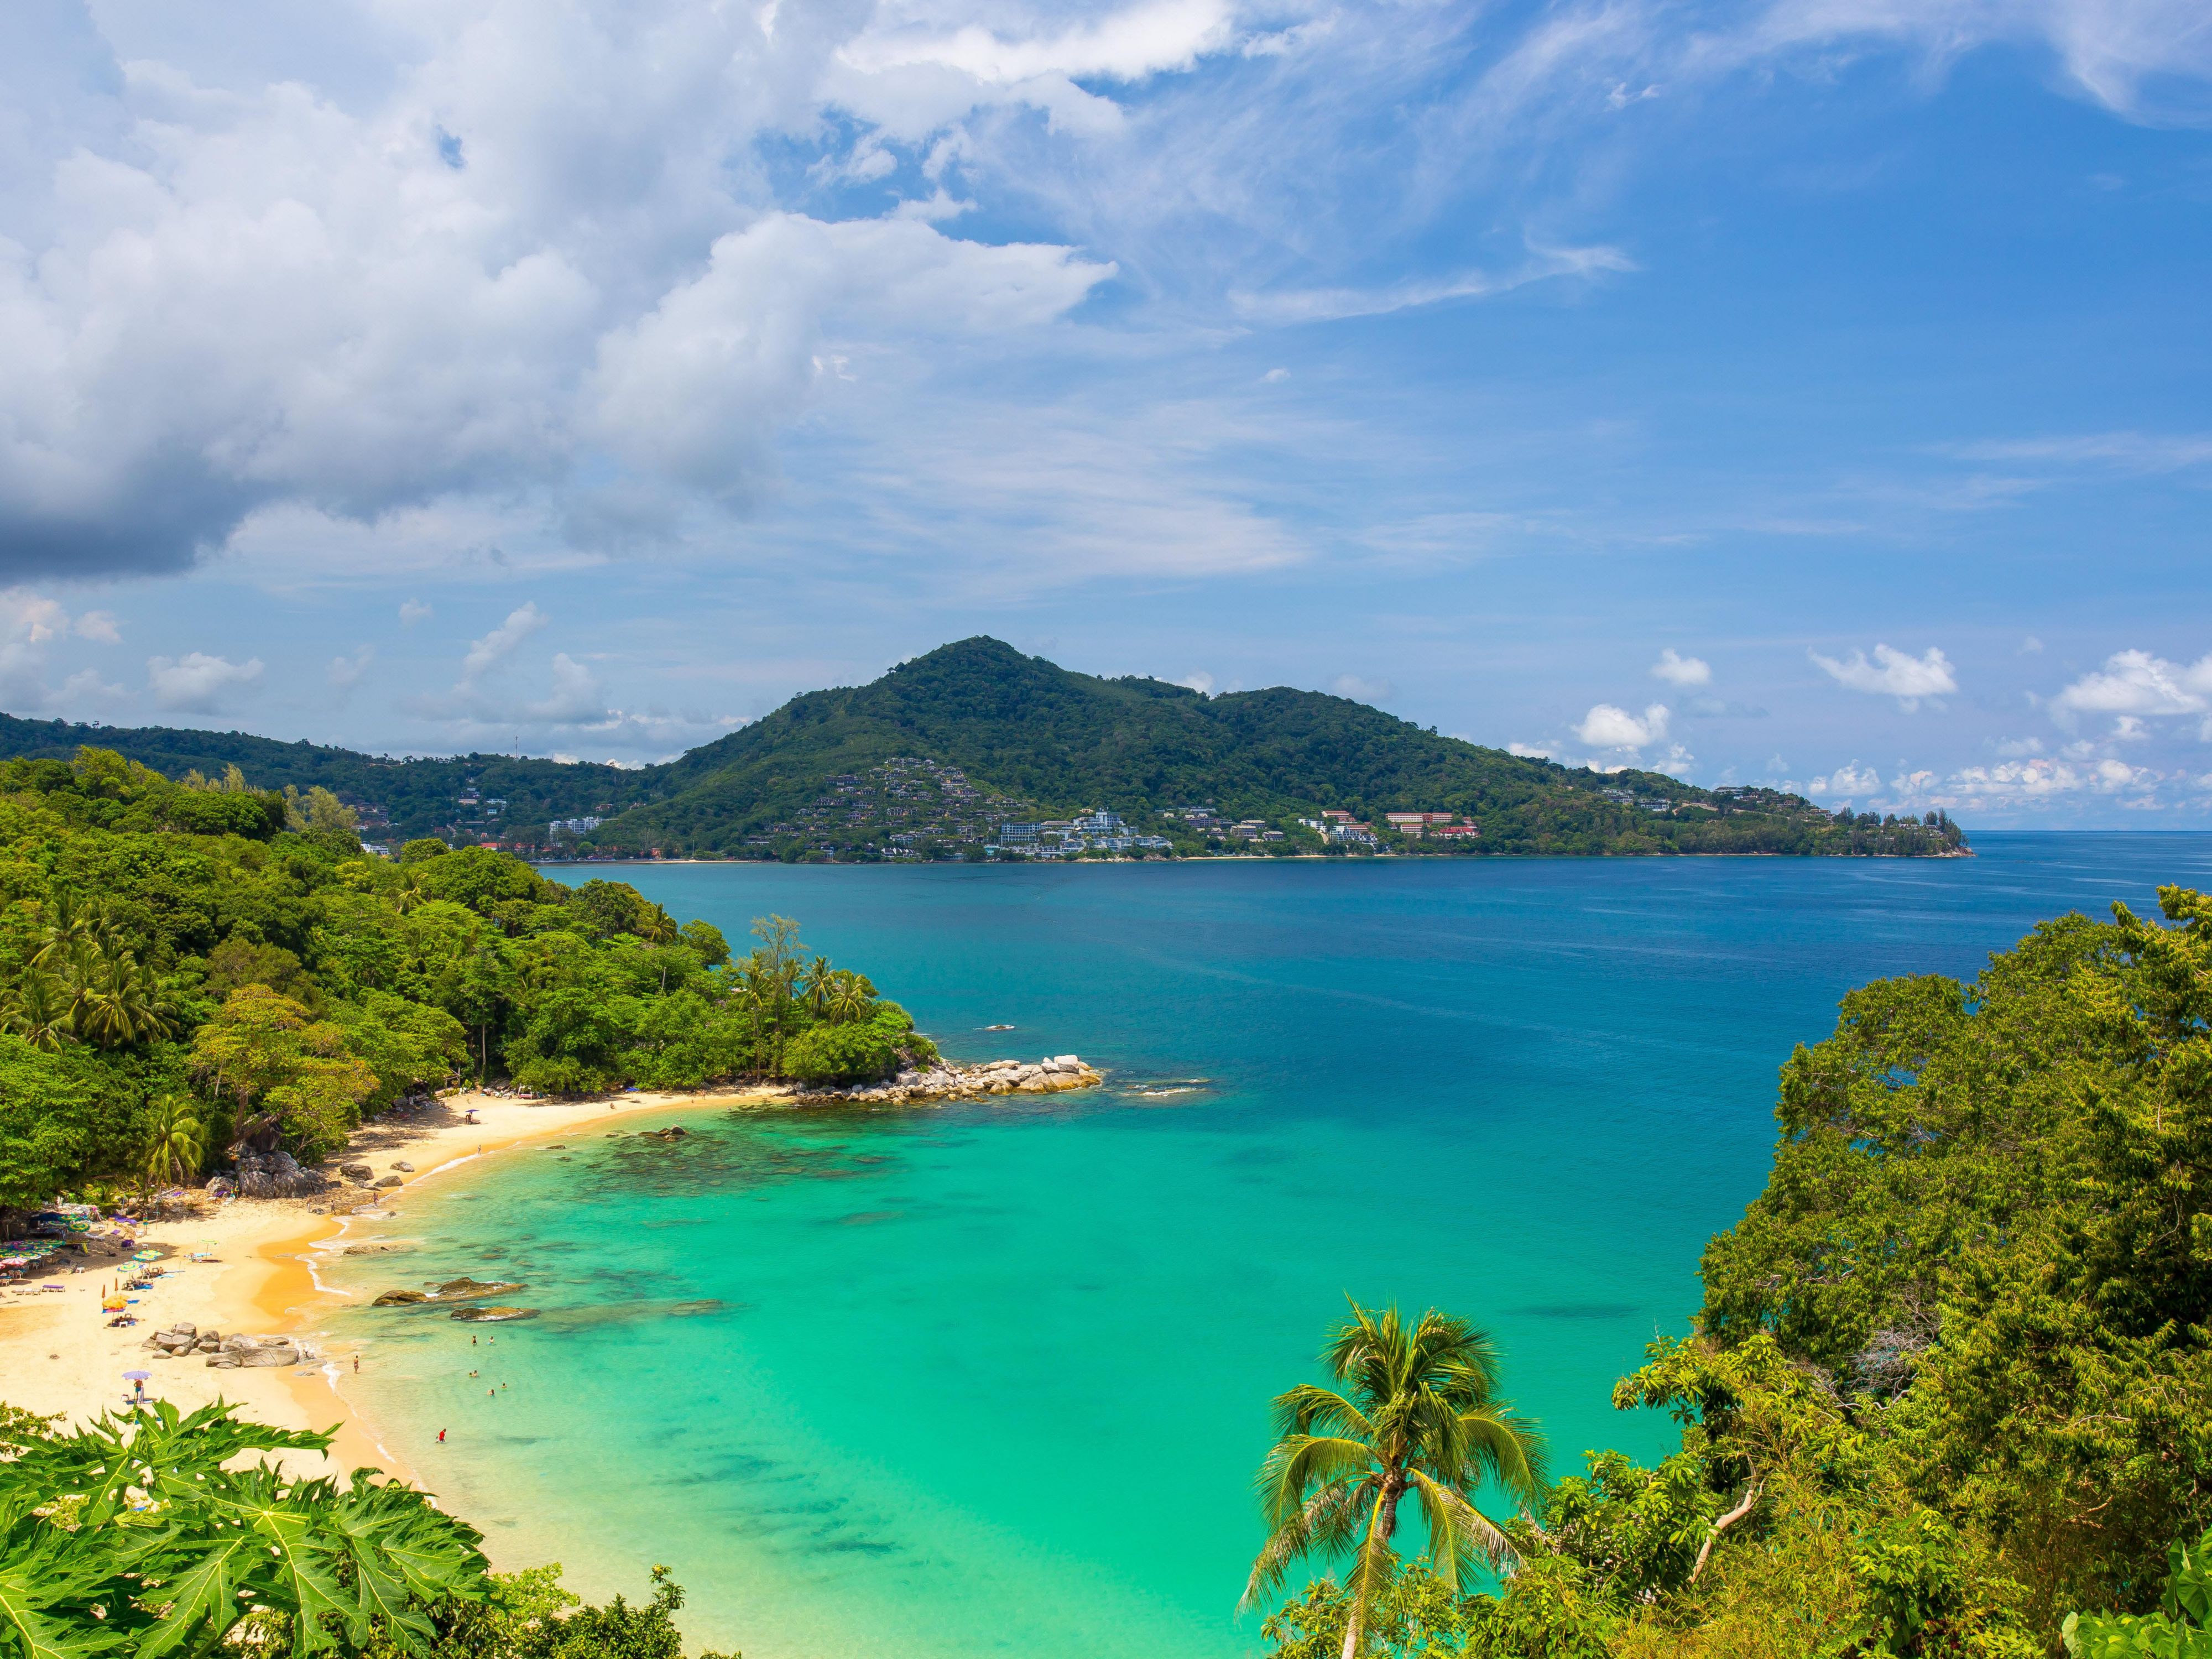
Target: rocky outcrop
{"type": "Point", "coordinates": [944, 1081]}
{"type": "Point", "coordinates": [183, 1338]}
{"type": "Point", "coordinates": [261, 1353]}
{"type": "Point", "coordinates": [493, 1316]}
{"type": "Point", "coordinates": [399, 1299]}
{"type": "Point", "coordinates": [275, 1174]}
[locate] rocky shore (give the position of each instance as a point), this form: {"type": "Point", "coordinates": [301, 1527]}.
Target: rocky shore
{"type": "Point", "coordinates": [946, 1081]}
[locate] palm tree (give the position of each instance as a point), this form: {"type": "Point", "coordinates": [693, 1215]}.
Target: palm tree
{"type": "Point", "coordinates": [174, 1144]}
{"type": "Point", "coordinates": [820, 983]}
{"type": "Point", "coordinates": [118, 1001]}
{"type": "Point", "coordinates": [36, 1008]}
{"type": "Point", "coordinates": [850, 997]}
{"type": "Point", "coordinates": [1420, 1413]}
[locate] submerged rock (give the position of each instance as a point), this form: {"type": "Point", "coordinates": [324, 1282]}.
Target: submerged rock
{"type": "Point", "coordinates": [493, 1316]}
{"type": "Point", "coordinates": [455, 1290]}
{"type": "Point", "coordinates": [399, 1299]}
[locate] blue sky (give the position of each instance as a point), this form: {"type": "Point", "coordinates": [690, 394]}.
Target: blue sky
{"type": "Point", "coordinates": [1805, 393]}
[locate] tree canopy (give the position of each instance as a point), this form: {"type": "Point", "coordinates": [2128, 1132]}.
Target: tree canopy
{"type": "Point", "coordinates": [1950, 1389]}
{"type": "Point", "coordinates": [163, 984]}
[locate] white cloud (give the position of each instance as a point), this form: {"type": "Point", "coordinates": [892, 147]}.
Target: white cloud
{"type": "Point", "coordinates": [413, 610]}
{"type": "Point", "coordinates": [346, 672]}
{"type": "Point", "coordinates": [2019, 746]}
{"type": "Point", "coordinates": [496, 647]}
{"type": "Point", "coordinates": [697, 389]}
{"type": "Point", "coordinates": [1678, 670]}
{"type": "Point", "coordinates": [1362, 690]}
{"type": "Point", "coordinates": [1529, 750]}
{"type": "Point", "coordinates": [1199, 680]}
{"type": "Point", "coordinates": [196, 682]}
{"type": "Point", "coordinates": [85, 690]}
{"type": "Point", "coordinates": [1609, 727]}
{"type": "Point", "coordinates": [1850, 778]}
{"type": "Point", "coordinates": [2030, 644]}
{"type": "Point", "coordinates": [2137, 683]}
{"type": "Point", "coordinates": [2138, 453]}
{"type": "Point", "coordinates": [1892, 673]}
{"type": "Point", "coordinates": [1329, 305]}
{"type": "Point", "coordinates": [99, 626]}
{"type": "Point", "coordinates": [2026, 781]}
{"type": "Point", "coordinates": [1275, 376]}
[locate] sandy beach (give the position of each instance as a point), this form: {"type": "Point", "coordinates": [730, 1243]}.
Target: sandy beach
{"type": "Point", "coordinates": [59, 1355]}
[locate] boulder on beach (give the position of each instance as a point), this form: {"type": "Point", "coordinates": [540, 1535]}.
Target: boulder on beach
{"type": "Point", "coordinates": [356, 1171]}
{"type": "Point", "coordinates": [493, 1316]}
{"type": "Point", "coordinates": [399, 1299]}
{"type": "Point", "coordinates": [388, 1181]}
{"type": "Point", "coordinates": [275, 1175]}
{"type": "Point", "coordinates": [404, 1167]}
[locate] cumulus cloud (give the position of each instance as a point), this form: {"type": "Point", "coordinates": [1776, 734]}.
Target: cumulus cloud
{"type": "Point", "coordinates": [1199, 680]}
{"type": "Point", "coordinates": [697, 389]}
{"type": "Point", "coordinates": [496, 647]}
{"type": "Point", "coordinates": [2136, 683]}
{"type": "Point", "coordinates": [1529, 750]}
{"type": "Point", "coordinates": [1609, 727]}
{"type": "Point", "coordinates": [196, 683]}
{"type": "Point", "coordinates": [224, 292]}
{"type": "Point", "coordinates": [1892, 673]}
{"type": "Point", "coordinates": [2042, 778]}
{"type": "Point", "coordinates": [1362, 690]}
{"type": "Point", "coordinates": [31, 624]}
{"type": "Point", "coordinates": [1848, 780]}
{"type": "Point", "coordinates": [413, 610]}
{"type": "Point", "coordinates": [346, 672]}
{"type": "Point", "coordinates": [1678, 670]}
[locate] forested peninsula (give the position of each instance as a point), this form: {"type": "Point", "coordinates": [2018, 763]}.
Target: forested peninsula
{"type": "Point", "coordinates": [975, 751]}
{"type": "Point", "coordinates": [182, 960]}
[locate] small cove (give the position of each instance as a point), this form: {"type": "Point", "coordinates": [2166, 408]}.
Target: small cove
{"type": "Point", "coordinates": [920, 1383]}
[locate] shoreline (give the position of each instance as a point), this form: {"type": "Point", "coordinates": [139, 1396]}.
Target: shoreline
{"type": "Point", "coordinates": [59, 1357]}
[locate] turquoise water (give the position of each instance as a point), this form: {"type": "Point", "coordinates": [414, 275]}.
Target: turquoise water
{"type": "Point", "coordinates": [992, 1380]}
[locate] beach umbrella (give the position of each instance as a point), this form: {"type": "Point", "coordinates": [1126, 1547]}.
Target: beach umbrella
{"type": "Point", "coordinates": [147, 1256]}
{"type": "Point", "coordinates": [137, 1377]}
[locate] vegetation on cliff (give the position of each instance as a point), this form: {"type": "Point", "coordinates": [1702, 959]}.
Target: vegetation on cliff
{"type": "Point", "coordinates": [177, 961]}
{"type": "Point", "coordinates": [1951, 1385]}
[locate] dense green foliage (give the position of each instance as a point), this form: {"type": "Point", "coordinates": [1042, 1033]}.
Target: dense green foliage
{"type": "Point", "coordinates": [1952, 1382]}
{"type": "Point", "coordinates": [134, 1536]}
{"type": "Point", "coordinates": [418, 797]}
{"type": "Point", "coordinates": [1024, 729]}
{"type": "Point", "coordinates": [161, 986]}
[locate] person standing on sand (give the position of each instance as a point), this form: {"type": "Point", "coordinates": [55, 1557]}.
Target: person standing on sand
{"type": "Point", "coordinates": [441, 1437]}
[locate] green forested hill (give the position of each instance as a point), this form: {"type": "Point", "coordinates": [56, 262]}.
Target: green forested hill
{"type": "Point", "coordinates": [936, 752]}
{"type": "Point", "coordinates": [1054, 742]}
{"type": "Point", "coordinates": [415, 797]}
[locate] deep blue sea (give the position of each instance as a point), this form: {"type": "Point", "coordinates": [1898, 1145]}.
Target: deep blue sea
{"type": "Point", "coordinates": [986, 1380]}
